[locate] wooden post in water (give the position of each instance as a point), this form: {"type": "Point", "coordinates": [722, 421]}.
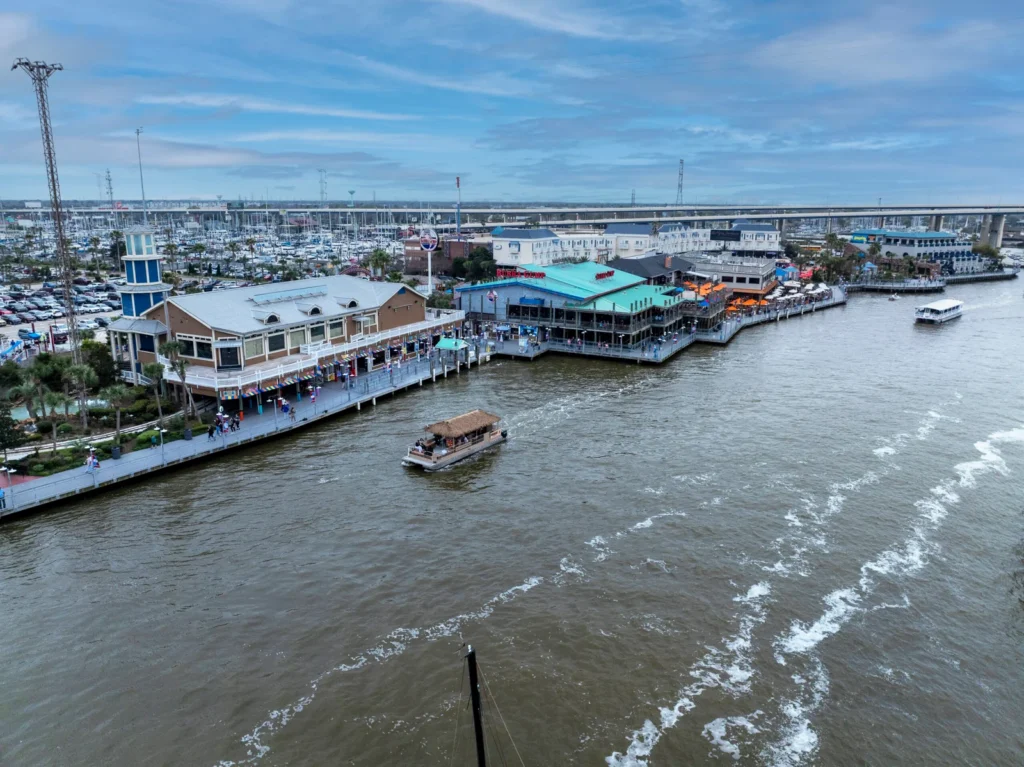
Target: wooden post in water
{"type": "Point", "coordinates": [474, 694]}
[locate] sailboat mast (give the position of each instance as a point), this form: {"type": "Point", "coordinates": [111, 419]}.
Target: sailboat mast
{"type": "Point", "coordinates": [474, 694]}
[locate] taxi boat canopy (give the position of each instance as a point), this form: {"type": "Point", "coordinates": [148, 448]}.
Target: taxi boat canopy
{"type": "Point", "coordinates": [454, 439]}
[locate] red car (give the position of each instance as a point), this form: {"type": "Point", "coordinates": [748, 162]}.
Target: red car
{"type": "Point", "coordinates": [6, 311]}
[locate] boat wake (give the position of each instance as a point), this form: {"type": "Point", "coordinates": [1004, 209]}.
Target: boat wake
{"type": "Point", "coordinates": [728, 666]}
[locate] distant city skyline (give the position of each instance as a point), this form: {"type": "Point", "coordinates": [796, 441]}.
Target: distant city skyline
{"type": "Point", "coordinates": [556, 100]}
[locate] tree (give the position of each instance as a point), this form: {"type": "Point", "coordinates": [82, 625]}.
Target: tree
{"type": "Point", "coordinates": [172, 351]}
{"type": "Point", "coordinates": [11, 375]}
{"type": "Point", "coordinates": [83, 378]}
{"type": "Point", "coordinates": [117, 248]}
{"type": "Point", "coordinates": [118, 396]}
{"type": "Point", "coordinates": [990, 252]}
{"type": "Point", "coordinates": [833, 244]}
{"type": "Point", "coordinates": [874, 250]}
{"type": "Point", "coordinates": [394, 276]}
{"type": "Point", "coordinates": [98, 357]}
{"type": "Point", "coordinates": [10, 435]}
{"type": "Point", "coordinates": [250, 244]}
{"type": "Point", "coordinates": [439, 300]}
{"type": "Point", "coordinates": [232, 248]}
{"type": "Point", "coordinates": [154, 371]}
{"type": "Point", "coordinates": [460, 268]}
{"type": "Point", "coordinates": [909, 265]}
{"type": "Point", "coordinates": [54, 400]}
{"type": "Point", "coordinates": [379, 260]}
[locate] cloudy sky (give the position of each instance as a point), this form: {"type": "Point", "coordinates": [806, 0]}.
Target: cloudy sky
{"type": "Point", "coordinates": [768, 101]}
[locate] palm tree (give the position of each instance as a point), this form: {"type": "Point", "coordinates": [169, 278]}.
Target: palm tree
{"type": "Point", "coordinates": [154, 371]}
{"type": "Point", "coordinates": [118, 396]}
{"type": "Point", "coordinates": [82, 378]}
{"type": "Point", "coordinates": [379, 260]}
{"type": "Point", "coordinates": [233, 248]}
{"type": "Point", "coordinates": [874, 250]}
{"type": "Point", "coordinates": [54, 400]}
{"type": "Point", "coordinates": [250, 243]}
{"type": "Point", "coordinates": [171, 250]}
{"type": "Point", "coordinates": [909, 265]}
{"type": "Point", "coordinates": [29, 396]}
{"type": "Point", "coordinates": [172, 351]}
{"type": "Point", "coordinates": [116, 240]}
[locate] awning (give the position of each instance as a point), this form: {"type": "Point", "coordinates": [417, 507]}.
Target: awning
{"type": "Point", "coordinates": [451, 344]}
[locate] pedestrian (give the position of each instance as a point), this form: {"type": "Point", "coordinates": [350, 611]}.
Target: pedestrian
{"type": "Point", "coordinates": [152, 441]}
{"type": "Point", "coordinates": [291, 414]}
{"type": "Point", "coordinates": [3, 499]}
{"type": "Point", "coordinates": [210, 433]}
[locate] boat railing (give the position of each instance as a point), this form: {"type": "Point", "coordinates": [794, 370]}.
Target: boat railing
{"type": "Point", "coordinates": [435, 455]}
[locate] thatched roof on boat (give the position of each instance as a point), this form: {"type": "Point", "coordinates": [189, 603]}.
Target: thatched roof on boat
{"type": "Point", "coordinates": [463, 424]}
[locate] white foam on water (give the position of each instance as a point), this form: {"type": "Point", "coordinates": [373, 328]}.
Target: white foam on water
{"type": "Point", "coordinates": [390, 646]}
{"type": "Point", "coordinates": [325, 480]}
{"type": "Point", "coordinates": [734, 678]}
{"type": "Point", "coordinates": [695, 479]}
{"type": "Point", "coordinates": [641, 525]}
{"type": "Point", "coordinates": [654, 490]}
{"type": "Point", "coordinates": [658, 564]}
{"type": "Point", "coordinates": [882, 452]}
{"type": "Point", "coordinates": [716, 731]}
{"type": "Point", "coordinates": [600, 545]}
{"type": "Point", "coordinates": [569, 571]}
{"type": "Point", "coordinates": [906, 558]}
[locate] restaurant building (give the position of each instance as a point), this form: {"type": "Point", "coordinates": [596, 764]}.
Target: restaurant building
{"type": "Point", "coordinates": [246, 342]}
{"type": "Point", "coordinates": [585, 301]}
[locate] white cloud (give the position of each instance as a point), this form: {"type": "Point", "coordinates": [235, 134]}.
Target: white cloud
{"type": "Point", "coordinates": [215, 101]}
{"type": "Point", "coordinates": [488, 85]}
{"type": "Point", "coordinates": [395, 140]}
{"type": "Point", "coordinates": [549, 17]}
{"type": "Point", "coordinates": [14, 28]}
{"type": "Point", "coordinates": [579, 71]}
{"type": "Point", "coordinates": [882, 48]}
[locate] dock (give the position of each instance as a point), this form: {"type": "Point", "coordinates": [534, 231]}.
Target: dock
{"type": "Point", "coordinates": [657, 354]}
{"type": "Point", "coordinates": [333, 400]}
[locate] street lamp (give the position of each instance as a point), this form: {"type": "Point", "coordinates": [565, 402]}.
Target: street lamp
{"type": "Point", "coordinates": [162, 458]}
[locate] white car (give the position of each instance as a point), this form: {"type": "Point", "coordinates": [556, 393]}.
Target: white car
{"type": "Point", "coordinates": [88, 325]}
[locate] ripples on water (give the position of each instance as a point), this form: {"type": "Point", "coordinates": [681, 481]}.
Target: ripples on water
{"type": "Point", "coordinates": [777, 552]}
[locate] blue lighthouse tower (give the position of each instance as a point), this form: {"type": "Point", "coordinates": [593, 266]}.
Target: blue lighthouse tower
{"type": "Point", "coordinates": [134, 338]}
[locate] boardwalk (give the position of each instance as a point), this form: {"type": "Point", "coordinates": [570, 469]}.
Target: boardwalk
{"type": "Point", "coordinates": [658, 353]}
{"type": "Point", "coordinates": [334, 398]}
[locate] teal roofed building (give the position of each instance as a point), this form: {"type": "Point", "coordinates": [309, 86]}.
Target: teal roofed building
{"type": "Point", "coordinates": [567, 301]}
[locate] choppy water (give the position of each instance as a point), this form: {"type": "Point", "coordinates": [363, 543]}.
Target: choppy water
{"type": "Point", "coordinates": [804, 548]}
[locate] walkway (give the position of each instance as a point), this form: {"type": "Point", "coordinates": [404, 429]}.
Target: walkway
{"type": "Point", "coordinates": [334, 398]}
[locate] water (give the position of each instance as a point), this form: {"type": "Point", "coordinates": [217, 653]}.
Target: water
{"type": "Point", "coordinates": [804, 548]}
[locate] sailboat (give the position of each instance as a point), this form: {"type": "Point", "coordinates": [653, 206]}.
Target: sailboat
{"type": "Point", "coordinates": [478, 714]}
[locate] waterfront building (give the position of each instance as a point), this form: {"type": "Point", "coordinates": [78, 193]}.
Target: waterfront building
{"type": "Point", "coordinates": [135, 336]}
{"type": "Point", "coordinates": [743, 239]}
{"type": "Point", "coordinates": [629, 240]}
{"type": "Point", "coordinates": [952, 253]}
{"type": "Point", "coordinates": [542, 247]}
{"type": "Point", "coordinates": [746, 276]}
{"type": "Point", "coordinates": [586, 301]}
{"type": "Point", "coordinates": [247, 341]}
{"type": "Point", "coordinates": [656, 269]}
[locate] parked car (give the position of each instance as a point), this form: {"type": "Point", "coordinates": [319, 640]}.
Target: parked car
{"type": "Point", "coordinates": [81, 281]}
{"type": "Point", "coordinates": [102, 321]}
{"type": "Point", "coordinates": [8, 320]}
{"type": "Point", "coordinates": [25, 317]}
{"type": "Point", "coordinates": [56, 312]}
{"type": "Point", "coordinates": [27, 335]}
{"type": "Point", "coordinates": [88, 325]}
{"type": "Point", "coordinates": [5, 312]}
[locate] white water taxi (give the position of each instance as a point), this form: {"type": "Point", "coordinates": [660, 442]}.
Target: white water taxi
{"type": "Point", "coordinates": [894, 297]}
{"type": "Point", "coordinates": [455, 439]}
{"type": "Point", "coordinates": [938, 312]}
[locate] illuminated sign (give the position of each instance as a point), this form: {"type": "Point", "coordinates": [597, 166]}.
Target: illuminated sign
{"type": "Point", "coordinates": [604, 275]}
{"type": "Point", "coordinates": [858, 238]}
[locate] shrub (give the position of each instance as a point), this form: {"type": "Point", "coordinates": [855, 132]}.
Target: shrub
{"type": "Point", "coordinates": [37, 469]}
{"type": "Point", "coordinates": [65, 428]}
{"type": "Point", "coordinates": [143, 439]}
{"type": "Point", "coordinates": [44, 427]}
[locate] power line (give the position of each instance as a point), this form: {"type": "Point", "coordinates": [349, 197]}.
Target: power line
{"type": "Point", "coordinates": [40, 73]}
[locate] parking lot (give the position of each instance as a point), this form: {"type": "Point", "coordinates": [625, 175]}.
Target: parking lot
{"type": "Point", "coordinates": [87, 312]}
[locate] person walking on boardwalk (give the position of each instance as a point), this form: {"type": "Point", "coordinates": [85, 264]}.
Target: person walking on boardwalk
{"type": "Point", "coordinates": [291, 413]}
{"type": "Point", "coordinates": [3, 499]}
{"type": "Point", "coordinates": [210, 432]}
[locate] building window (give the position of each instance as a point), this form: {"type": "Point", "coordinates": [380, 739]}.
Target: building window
{"type": "Point", "coordinates": [253, 347]}
{"type": "Point", "coordinates": [137, 242]}
{"type": "Point", "coordinates": [741, 279]}
{"type": "Point", "coordinates": [338, 329]}
{"type": "Point", "coordinates": [204, 350]}
{"type": "Point", "coordinates": [188, 347]}
{"type": "Point", "coordinates": [297, 338]}
{"type": "Point", "coordinates": [727, 279]}
{"type": "Point", "coordinates": [316, 333]}
{"type": "Point", "coordinates": [275, 343]}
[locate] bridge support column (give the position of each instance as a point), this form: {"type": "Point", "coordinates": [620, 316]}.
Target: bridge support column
{"type": "Point", "coordinates": [995, 232]}
{"type": "Point", "coordinates": [986, 230]}
{"type": "Point", "coordinates": [936, 225]}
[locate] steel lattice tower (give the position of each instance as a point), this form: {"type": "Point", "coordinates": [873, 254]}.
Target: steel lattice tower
{"type": "Point", "coordinates": [40, 73]}
{"type": "Point", "coordinates": [679, 185]}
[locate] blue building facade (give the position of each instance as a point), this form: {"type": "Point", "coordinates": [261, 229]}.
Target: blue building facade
{"type": "Point", "coordinates": [952, 253]}
{"type": "Point", "coordinates": [143, 289]}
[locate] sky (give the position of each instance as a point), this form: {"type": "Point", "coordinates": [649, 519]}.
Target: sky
{"type": "Point", "coordinates": [783, 101]}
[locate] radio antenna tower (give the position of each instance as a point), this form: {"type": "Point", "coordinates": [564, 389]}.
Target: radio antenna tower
{"type": "Point", "coordinates": [323, 187]}
{"type": "Point", "coordinates": [679, 185]}
{"type": "Point", "coordinates": [632, 199]}
{"type": "Point", "coordinates": [40, 73]}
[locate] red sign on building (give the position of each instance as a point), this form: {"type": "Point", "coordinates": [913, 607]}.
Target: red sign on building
{"type": "Point", "coordinates": [511, 274]}
{"type": "Point", "coordinates": [604, 275]}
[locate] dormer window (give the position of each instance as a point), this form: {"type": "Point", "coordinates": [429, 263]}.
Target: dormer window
{"type": "Point", "coordinates": [310, 310]}
{"type": "Point", "coordinates": [267, 318]}
{"type": "Point", "coordinates": [348, 303]}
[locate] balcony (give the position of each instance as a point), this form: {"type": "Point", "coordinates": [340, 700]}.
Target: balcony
{"type": "Point", "coordinates": [309, 356]}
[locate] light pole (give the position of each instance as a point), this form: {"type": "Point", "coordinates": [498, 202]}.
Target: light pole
{"type": "Point", "coordinates": [138, 147]}
{"type": "Point", "coordinates": [163, 459]}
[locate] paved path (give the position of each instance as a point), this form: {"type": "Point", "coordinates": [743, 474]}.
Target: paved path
{"type": "Point", "coordinates": [334, 398]}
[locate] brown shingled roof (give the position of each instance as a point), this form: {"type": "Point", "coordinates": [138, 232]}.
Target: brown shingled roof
{"type": "Point", "coordinates": [463, 424]}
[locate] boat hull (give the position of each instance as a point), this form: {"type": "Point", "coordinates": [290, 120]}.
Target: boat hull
{"type": "Point", "coordinates": [938, 320]}
{"type": "Point", "coordinates": [428, 463]}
